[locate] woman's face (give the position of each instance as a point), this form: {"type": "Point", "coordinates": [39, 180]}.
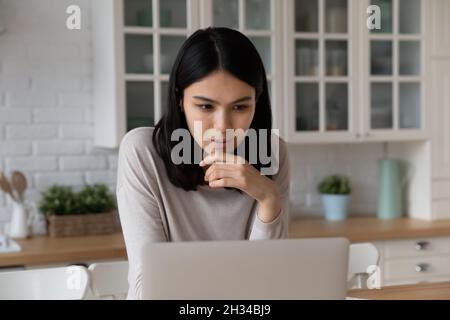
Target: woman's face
{"type": "Point", "coordinates": [219, 102]}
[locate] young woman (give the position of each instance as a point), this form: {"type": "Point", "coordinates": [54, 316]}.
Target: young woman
{"type": "Point", "coordinates": [218, 81]}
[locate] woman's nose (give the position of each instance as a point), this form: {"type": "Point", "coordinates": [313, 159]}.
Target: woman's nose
{"type": "Point", "coordinates": [222, 122]}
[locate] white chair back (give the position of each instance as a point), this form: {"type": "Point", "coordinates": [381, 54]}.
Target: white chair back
{"type": "Point", "coordinates": [109, 280]}
{"type": "Point", "coordinates": [60, 283]}
{"type": "Point", "coordinates": [361, 257]}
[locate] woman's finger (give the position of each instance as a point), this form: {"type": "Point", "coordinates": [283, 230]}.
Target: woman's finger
{"type": "Point", "coordinates": [215, 172]}
{"type": "Point", "coordinates": [222, 157]}
{"type": "Point", "coordinates": [225, 182]}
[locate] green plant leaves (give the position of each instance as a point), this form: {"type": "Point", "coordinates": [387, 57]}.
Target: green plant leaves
{"type": "Point", "coordinates": [62, 200]}
{"type": "Point", "coordinates": [335, 184]}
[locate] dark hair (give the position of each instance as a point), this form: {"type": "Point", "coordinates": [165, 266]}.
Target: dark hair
{"type": "Point", "coordinates": [205, 51]}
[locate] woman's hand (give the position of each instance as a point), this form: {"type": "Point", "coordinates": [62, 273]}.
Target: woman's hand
{"type": "Point", "coordinates": [228, 170]}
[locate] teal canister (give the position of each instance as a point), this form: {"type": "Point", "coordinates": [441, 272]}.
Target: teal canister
{"type": "Point", "coordinates": [389, 189]}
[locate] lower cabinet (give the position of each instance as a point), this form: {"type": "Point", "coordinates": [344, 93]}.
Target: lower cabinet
{"type": "Point", "coordinates": [412, 261]}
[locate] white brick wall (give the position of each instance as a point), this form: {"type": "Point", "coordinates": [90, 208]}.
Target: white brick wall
{"type": "Point", "coordinates": [46, 99]}
{"type": "Point", "coordinates": [309, 164]}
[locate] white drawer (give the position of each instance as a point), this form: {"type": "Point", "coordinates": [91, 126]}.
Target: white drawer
{"type": "Point", "coordinates": [416, 247]}
{"type": "Point", "coordinates": [417, 268]}
{"type": "Point", "coordinates": [416, 281]}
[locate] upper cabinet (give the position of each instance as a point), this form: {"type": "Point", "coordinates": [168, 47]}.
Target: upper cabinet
{"type": "Point", "coordinates": [261, 22]}
{"type": "Point", "coordinates": [395, 71]}
{"type": "Point", "coordinates": [321, 74]}
{"type": "Point", "coordinates": [350, 83]}
{"type": "Point", "coordinates": [440, 28]}
{"type": "Point", "coordinates": [136, 42]}
{"type": "Point", "coordinates": [330, 78]}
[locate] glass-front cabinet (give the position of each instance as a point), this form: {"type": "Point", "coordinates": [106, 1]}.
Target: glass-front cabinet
{"type": "Point", "coordinates": [153, 31]}
{"type": "Point", "coordinates": [260, 20]}
{"type": "Point", "coordinates": [334, 73]}
{"type": "Point", "coordinates": [321, 85]}
{"type": "Point", "coordinates": [354, 78]}
{"type": "Point", "coordinates": [395, 70]}
{"type": "Point", "coordinates": [135, 45]}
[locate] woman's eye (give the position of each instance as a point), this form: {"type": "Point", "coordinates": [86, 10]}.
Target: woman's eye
{"type": "Point", "coordinates": [240, 107]}
{"type": "Point", "coordinates": [204, 106]}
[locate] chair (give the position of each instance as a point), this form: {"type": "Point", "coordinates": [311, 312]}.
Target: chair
{"type": "Point", "coordinates": [363, 261]}
{"type": "Point", "coordinates": [59, 283]}
{"type": "Point", "coordinates": [109, 280]}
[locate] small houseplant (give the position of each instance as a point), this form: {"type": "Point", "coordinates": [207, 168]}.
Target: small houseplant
{"type": "Point", "coordinates": [335, 191]}
{"type": "Point", "coordinates": [86, 212]}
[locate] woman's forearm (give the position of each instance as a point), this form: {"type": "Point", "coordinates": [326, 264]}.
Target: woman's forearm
{"type": "Point", "coordinates": [269, 209]}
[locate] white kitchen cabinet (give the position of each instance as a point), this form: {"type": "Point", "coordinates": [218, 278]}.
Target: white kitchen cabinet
{"type": "Point", "coordinates": [440, 114]}
{"type": "Point", "coordinates": [261, 21]}
{"type": "Point", "coordinates": [441, 26]}
{"type": "Point", "coordinates": [135, 43]}
{"type": "Point", "coordinates": [351, 84]}
{"type": "Point", "coordinates": [330, 78]}
{"type": "Point", "coordinates": [418, 260]}
{"type": "Point", "coordinates": [320, 74]}
{"type": "Point", "coordinates": [441, 139]}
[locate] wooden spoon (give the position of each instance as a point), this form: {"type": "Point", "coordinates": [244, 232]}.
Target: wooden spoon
{"type": "Point", "coordinates": [6, 186]}
{"type": "Point", "coordinates": [19, 182]}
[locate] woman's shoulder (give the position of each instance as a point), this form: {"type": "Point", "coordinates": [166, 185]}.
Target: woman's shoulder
{"type": "Point", "coordinates": [282, 147]}
{"type": "Point", "coordinates": [138, 137]}
{"type": "Point", "coordinates": [138, 140]}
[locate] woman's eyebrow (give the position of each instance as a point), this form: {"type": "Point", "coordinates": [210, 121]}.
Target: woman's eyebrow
{"type": "Point", "coordinates": [212, 101]}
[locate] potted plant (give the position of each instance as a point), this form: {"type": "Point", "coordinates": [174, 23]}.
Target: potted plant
{"type": "Point", "coordinates": [87, 212]}
{"type": "Point", "coordinates": [335, 191]}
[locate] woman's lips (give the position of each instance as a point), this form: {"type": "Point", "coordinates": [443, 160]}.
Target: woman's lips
{"type": "Point", "coordinates": [221, 143]}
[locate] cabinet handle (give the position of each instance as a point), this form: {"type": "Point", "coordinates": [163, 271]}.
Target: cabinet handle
{"type": "Point", "coordinates": [358, 136]}
{"type": "Point", "coordinates": [422, 267]}
{"type": "Point", "coordinates": [421, 245]}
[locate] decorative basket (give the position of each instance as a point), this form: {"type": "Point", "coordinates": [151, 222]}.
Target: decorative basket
{"type": "Point", "coordinates": [81, 224]}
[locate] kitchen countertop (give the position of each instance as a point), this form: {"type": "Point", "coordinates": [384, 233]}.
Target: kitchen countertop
{"type": "Point", "coordinates": [43, 250]}
{"type": "Point", "coordinates": [366, 229]}
{"type": "Point", "coordinates": [428, 291]}
{"type": "Point", "coordinates": [46, 250]}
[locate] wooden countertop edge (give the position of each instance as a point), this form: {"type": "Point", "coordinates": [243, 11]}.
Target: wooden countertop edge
{"type": "Point", "coordinates": [369, 229]}
{"type": "Point", "coordinates": [355, 238]}
{"type": "Point", "coordinates": [43, 250]}
{"type": "Point", "coordinates": [427, 291]}
{"type": "Point", "coordinates": [61, 257]}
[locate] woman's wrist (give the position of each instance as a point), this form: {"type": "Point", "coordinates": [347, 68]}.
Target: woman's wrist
{"type": "Point", "coordinates": [269, 207]}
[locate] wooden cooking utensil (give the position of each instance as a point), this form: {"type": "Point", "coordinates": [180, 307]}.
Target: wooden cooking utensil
{"type": "Point", "coordinates": [19, 182]}
{"type": "Point", "coordinates": [6, 186]}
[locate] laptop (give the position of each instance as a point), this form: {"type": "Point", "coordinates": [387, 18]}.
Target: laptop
{"type": "Point", "coordinates": [281, 269]}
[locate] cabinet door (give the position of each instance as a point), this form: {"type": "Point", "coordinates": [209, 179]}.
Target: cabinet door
{"type": "Point", "coordinates": [440, 119]}
{"type": "Point", "coordinates": [320, 85]}
{"type": "Point", "coordinates": [440, 28]}
{"type": "Point", "coordinates": [440, 147]}
{"type": "Point", "coordinates": [260, 21]}
{"type": "Point", "coordinates": [135, 44]}
{"type": "Point", "coordinates": [154, 31]}
{"type": "Point", "coordinates": [395, 72]}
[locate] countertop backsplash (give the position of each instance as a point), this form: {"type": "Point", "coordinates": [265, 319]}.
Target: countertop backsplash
{"type": "Point", "coordinates": [311, 163]}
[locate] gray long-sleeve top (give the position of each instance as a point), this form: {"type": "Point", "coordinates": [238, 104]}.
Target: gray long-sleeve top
{"type": "Point", "coordinates": [151, 208]}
